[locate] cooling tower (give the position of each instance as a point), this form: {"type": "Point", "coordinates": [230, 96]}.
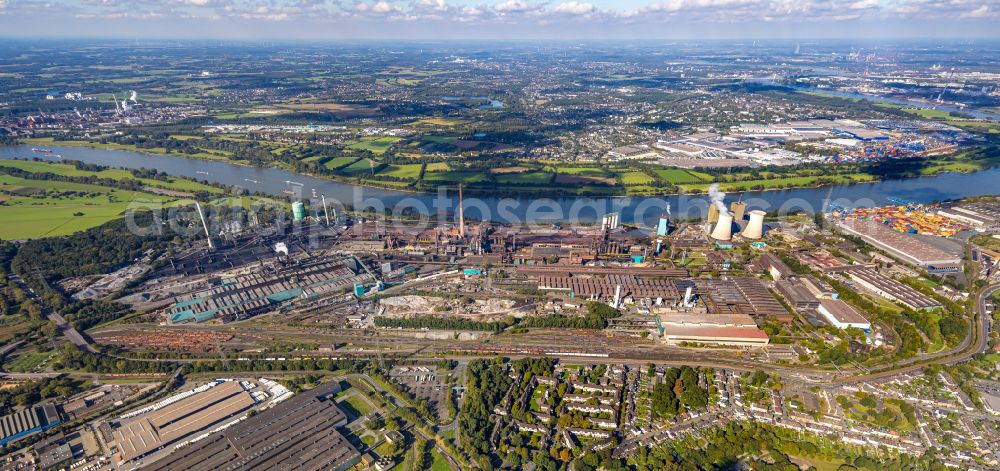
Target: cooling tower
{"type": "Point", "coordinates": [755, 228]}
{"type": "Point", "coordinates": [724, 229]}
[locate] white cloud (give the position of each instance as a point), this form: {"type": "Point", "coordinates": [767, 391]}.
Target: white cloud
{"type": "Point", "coordinates": [981, 12]}
{"type": "Point", "coordinates": [384, 7]}
{"type": "Point", "coordinates": [516, 6]}
{"type": "Point", "coordinates": [864, 5]}
{"type": "Point", "coordinates": [432, 5]}
{"type": "Point", "coordinates": [575, 8]}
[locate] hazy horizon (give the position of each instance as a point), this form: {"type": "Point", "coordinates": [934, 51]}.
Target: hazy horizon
{"type": "Point", "coordinates": [500, 20]}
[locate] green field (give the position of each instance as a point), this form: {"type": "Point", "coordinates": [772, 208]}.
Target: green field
{"type": "Point", "coordinates": [363, 166]}
{"type": "Point", "coordinates": [525, 178]}
{"type": "Point", "coordinates": [636, 178]}
{"type": "Point", "coordinates": [438, 167]}
{"type": "Point", "coordinates": [376, 145]}
{"type": "Point", "coordinates": [171, 183]}
{"type": "Point", "coordinates": [42, 208]}
{"type": "Point", "coordinates": [789, 182]}
{"type": "Point", "coordinates": [407, 171]}
{"type": "Point", "coordinates": [48, 141]}
{"type": "Point", "coordinates": [457, 176]}
{"type": "Point", "coordinates": [579, 171]}
{"type": "Point", "coordinates": [27, 362]}
{"type": "Point", "coordinates": [338, 162]}
{"type": "Point", "coordinates": [359, 404]}
{"type": "Point", "coordinates": [439, 463]}
{"type": "Point", "coordinates": [679, 176]}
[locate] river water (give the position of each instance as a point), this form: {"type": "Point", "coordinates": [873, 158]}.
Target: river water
{"type": "Point", "coordinates": [534, 210]}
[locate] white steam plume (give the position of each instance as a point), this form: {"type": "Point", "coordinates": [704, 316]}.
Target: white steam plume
{"type": "Point", "coordinates": [717, 197]}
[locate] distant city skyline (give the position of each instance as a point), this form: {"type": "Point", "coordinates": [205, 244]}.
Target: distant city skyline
{"type": "Point", "coordinates": [499, 19]}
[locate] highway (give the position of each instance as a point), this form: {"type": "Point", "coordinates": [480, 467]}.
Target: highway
{"type": "Point", "coordinates": [68, 330]}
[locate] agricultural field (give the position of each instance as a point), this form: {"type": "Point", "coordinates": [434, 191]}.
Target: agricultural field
{"type": "Point", "coordinates": [206, 155]}
{"type": "Point", "coordinates": [524, 178]}
{"type": "Point", "coordinates": [679, 176]}
{"type": "Point", "coordinates": [377, 145]}
{"type": "Point", "coordinates": [359, 167]}
{"type": "Point", "coordinates": [338, 162]}
{"type": "Point", "coordinates": [455, 176]}
{"type": "Point", "coordinates": [438, 167]}
{"type": "Point", "coordinates": [68, 170]}
{"type": "Point", "coordinates": [789, 182]}
{"type": "Point", "coordinates": [437, 122]}
{"type": "Point", "coordinates": [636, 179]}
{"type": "Point", "coordinates": [41, 208]}
{"type": "Point", "coordinates": [406, 171]}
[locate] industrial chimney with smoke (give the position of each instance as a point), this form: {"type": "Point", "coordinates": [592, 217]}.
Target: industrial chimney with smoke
{"type": "Point", "coordinates": [755, 228]}
{"type": "Point", "coordinates": [724, 229]}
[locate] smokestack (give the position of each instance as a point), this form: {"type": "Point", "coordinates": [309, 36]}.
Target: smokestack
{"type": "Point", "coordinates": [687, 296]}
{"type": "Point", "coordinates": [724, 229]}
{"type": "Point", "coordinates": [325, 211]}
{"type": "Point", "coordinates": [755, 228]}
{"type": "Point", "coordinates": [461, 212]}
{"type": "Point", "coordinates": [618, 296]}
{"type": "Point", "coordinates": [203, 224]}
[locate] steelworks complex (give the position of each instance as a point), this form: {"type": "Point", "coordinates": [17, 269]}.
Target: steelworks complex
{"type": "Point", "coordinates": [244, 296]}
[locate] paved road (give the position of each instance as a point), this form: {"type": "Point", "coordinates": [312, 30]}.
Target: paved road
{"type": "Point", "coordinates": [975, 342]}
{"type": "Point", "coordinates": [68, 330]}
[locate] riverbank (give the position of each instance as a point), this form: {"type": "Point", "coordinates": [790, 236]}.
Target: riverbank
{"type": "Point", "coordinates": [686, 182]}
{"type": "Point", "coordinates": [640, 210]}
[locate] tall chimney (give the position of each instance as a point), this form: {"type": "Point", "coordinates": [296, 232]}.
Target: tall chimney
{"type": "Point", "coordinates": [325, 211]}
{"type": "Point", "coordinates": [461, 212]}
{"type": "Point", "coordinates": [205, 225]}
{"type": "Point", "coordinates": [723, 230]}
{"type": "Point", "coordinates": [755, 228]}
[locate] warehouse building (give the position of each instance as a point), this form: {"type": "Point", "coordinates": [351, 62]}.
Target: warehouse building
{"type": "Point", "coordinates": [183, 418]}
{"type": "Point", "coordinates": [902, 246]}
{"type": "Point", "coordinates": [981, 215]}
{"type": "Point", "coordinates": [26, 422]}
{"type": "Point", "coordinates": [713, 329]}
{"type": "Point", "coordinates": [797, 295]}
{"type": "Point", "coordinates": [772, 264]}
{"type": "Point", "coordinates": [841, 315]}
{"type": "Point", "coordinates": [893, 290]}
{"type": "Point", "coordinates": [299, 433]}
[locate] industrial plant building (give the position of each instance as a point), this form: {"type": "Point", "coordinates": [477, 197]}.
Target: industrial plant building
{"type": "Point", "coordinates": [773, 265]}
{"type": "Point", "coordinates": [893, 290]}
{"type": "Point", "coordinates": [171, 421]}
{"type": "Point", "coordinates": [980, 215]}
{"type": "Point", "coordinates": [299, 433]}
{"type": "Point", "coordinates": [26, 422]}
{"type": "Point", "coordinates": [841, 315]}
{"type": "Point", "coordinates": [902, 246]}
{"type": "Point", "coordinates": [712, 329]}
{"type": "Point", "coordinates": [248, 295]}
{"type": "Point", "coordinates": [741, 296]}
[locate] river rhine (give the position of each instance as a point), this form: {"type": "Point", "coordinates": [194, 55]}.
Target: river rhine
{"type": "Point", "coordinates": [536, 210]}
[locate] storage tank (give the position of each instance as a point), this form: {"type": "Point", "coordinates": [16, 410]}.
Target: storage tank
{"type": "Point", "coordinates": [755, 228]}
{"type": "Point", "coordinates": [724, 229]}
{"type": "Point", "coordinates": [298, 211]}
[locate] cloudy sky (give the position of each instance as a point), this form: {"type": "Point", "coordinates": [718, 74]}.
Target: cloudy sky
{"type": "Point", "coordinates": [499, 19]}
